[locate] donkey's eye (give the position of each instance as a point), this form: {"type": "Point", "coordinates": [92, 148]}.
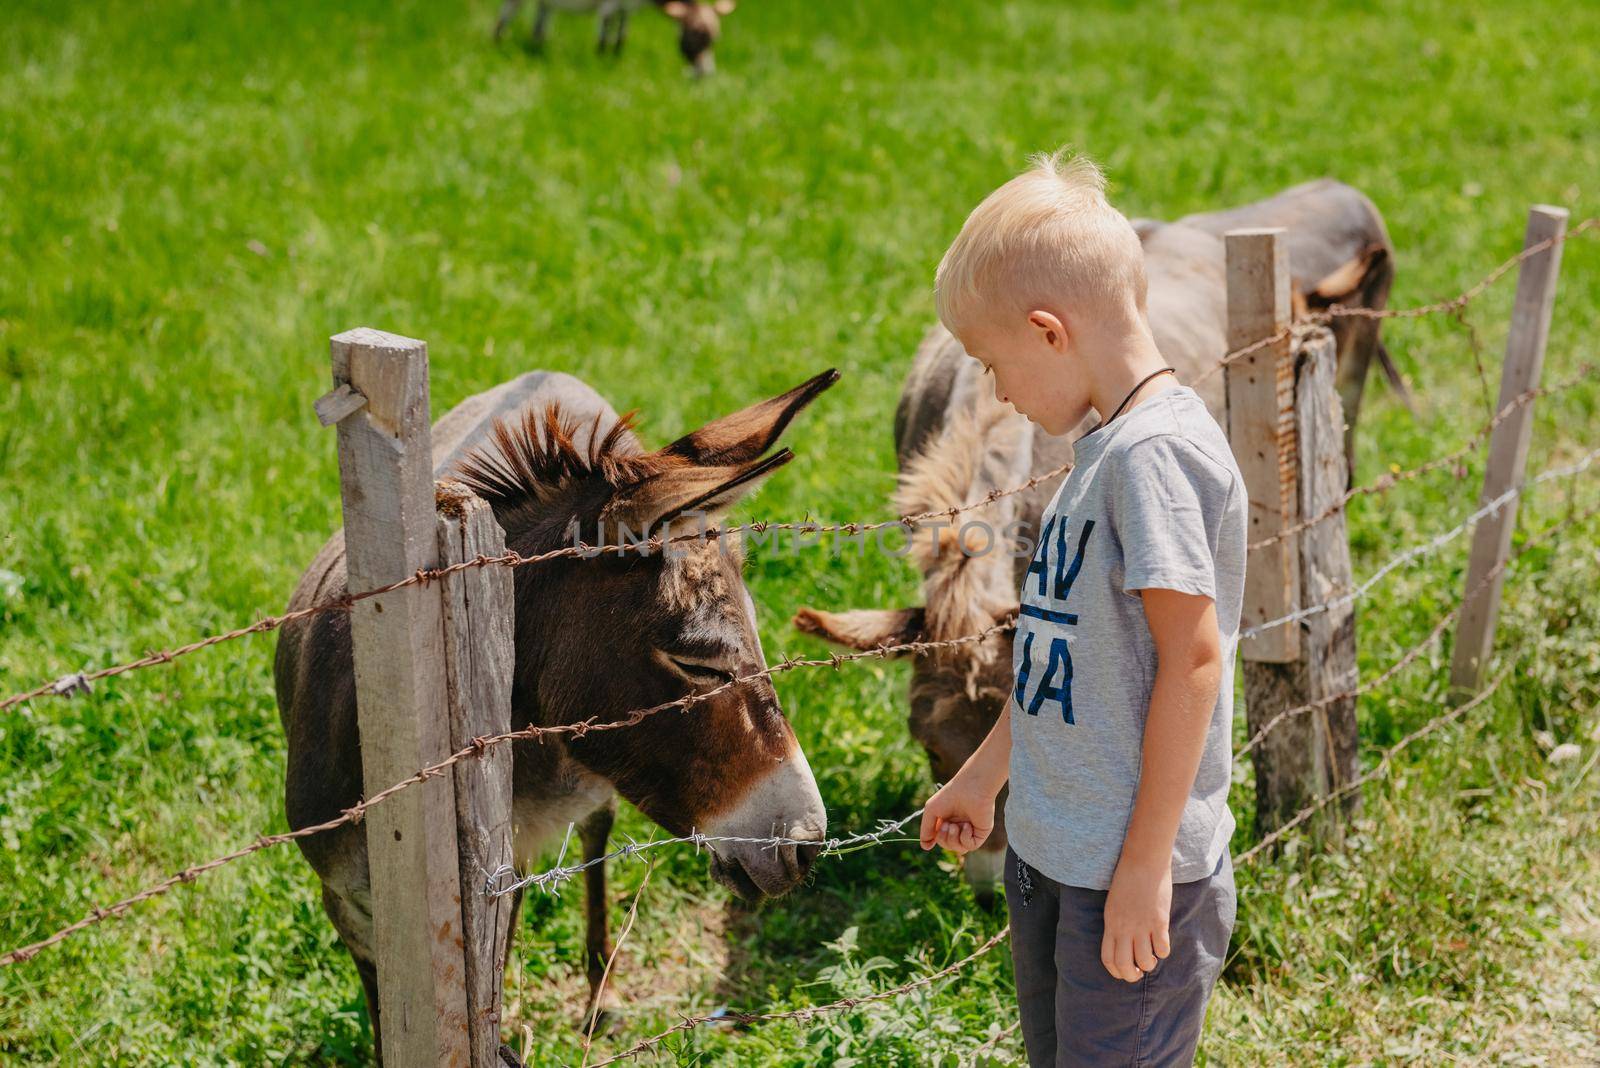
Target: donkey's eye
{"type": "Point", "coordinates": [700, 671]}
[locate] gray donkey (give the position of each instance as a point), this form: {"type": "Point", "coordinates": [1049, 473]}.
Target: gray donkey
{"type": "Point", "coordinates": [597, 636]}
{"type": "Point", "coordinates": [956, 442]}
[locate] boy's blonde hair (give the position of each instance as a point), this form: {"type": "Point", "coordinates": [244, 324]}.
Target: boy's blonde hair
{"type": "Point", "coordinates": [1048, 236]}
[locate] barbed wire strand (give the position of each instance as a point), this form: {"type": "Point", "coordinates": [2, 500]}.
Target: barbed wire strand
{"type": "Point", "coordinates": [1384, 761]}
{"type": "Point", "coordinates": [1451, 306]}
{"type": "Point", "coordinates": [809, 1011]}
{"type": "Point", "coordinates": [476, 748]}
{"type": "Point", "coordinates": [79, 682]}
{"type": "Point", "coordinates": [976, 1056]}
{"type": "Point", "coordinates": [1411, 654]}
{"type": "Point", "coordinates": [1432, 545]}
{"type": "Point", "coordinates": [1390, 480]}
{"type": "Point", "coordinates": [552, 878]}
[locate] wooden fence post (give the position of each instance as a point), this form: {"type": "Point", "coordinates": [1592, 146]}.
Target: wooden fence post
{"type": "Point", "coordinates": [1285, 414]}
{"type": "Point", "coordinates": [1260, 399]}
{"type": "Point", "coordinates": [479, 621]}
{"type": "Point", "coordinates": [1508, 448]}
{"type": "Point", "coordinates": [390, 531]}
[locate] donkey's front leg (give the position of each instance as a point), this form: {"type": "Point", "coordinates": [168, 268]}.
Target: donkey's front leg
{"type": "Point", "coordinates": [541, 24]}
{"type": "Point", "coordinates": [508, 11]}
{"type": "Point", "coordinates": [595, 832]}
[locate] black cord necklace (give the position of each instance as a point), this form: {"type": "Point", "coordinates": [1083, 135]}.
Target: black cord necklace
{"type": "Point", "coordinates": [1142, 383]}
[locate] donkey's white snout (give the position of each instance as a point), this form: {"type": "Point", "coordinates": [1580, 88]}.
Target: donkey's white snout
{"type": "Point", "coordinates": [785, 804]}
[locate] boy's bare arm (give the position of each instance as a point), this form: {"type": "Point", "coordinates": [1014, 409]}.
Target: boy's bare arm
{"type": "Point", "coordinates": [1188, 676]}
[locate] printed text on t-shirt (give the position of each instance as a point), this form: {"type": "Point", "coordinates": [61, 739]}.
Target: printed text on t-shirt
{"type": "Point", "coordinates": [1054, 584]}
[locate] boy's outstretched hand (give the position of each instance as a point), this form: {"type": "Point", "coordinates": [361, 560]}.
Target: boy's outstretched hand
{"type": "Point", "coordinates": [959, 816]}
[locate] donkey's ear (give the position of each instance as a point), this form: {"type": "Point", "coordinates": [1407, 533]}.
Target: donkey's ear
{"type": "Point", "coordinates": [663, 497]}
{"type": "Point", "coordinates": [744, 435]}
{"type": "Point", "coordinates": [863, 628]}
{"type": "Point", "coordinates": [1347, 280]}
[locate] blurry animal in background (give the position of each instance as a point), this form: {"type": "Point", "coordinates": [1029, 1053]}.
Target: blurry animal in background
{"type": "Point", "coordinates": [699, 24]}
{"type": "Point", "coordinates": [612, 16]}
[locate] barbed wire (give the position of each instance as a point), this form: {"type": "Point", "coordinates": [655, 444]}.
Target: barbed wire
{"type": "Point", "coordinates": [1432, 545]}
{"type": "Point", "coordinates": [835, 845]}
{"type": "Point", "coordinates": [809, 1011]}
{"type": "Point", "coordinates": [552, 879]}
{"type": "Point", "coordinates": [477, 748]}
{"type": "Point", "coordinates": [976, 1056]}
{"type": "Point", "coordinates": [1453, 305]}
{"type": "Point", "coordinates": [581, 728]}
{"type": "Point", "coordinates": [1411, 654]}
{"type": "Point", "coordinates": [1472, 292]}
{"type": "Point", "coordinates": [79, 682]}
{"type": "Point", "coordinates": [1384, 483]}
{"type": "Point", "coordinates": [1384, 761]}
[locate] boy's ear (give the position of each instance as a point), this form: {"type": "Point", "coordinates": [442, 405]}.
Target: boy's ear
{"type": "Point", "coordinates": [1050, 328]}
{"type": "Point", "coordinates": [676, 9]}
{"type": "Point", "coordinates": [724, 7]}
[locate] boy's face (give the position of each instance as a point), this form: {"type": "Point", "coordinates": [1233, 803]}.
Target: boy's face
{"type": "Point", "coordinates": [1033, 367]}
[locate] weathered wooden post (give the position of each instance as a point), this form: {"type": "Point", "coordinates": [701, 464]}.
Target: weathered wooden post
{"type": "Point", "coordinates": [478, 623]}
{"type": "Point", "coordinates": [1260, 398]}
{"type": "Point", "coordinates": [390, 531]}
{"type": "Point", "coordinates": [1285, 424]}
{"type": "Point", "coordinates": [1508, 448]}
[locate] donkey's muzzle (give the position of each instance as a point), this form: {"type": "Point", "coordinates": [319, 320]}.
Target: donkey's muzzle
{"type": "Point", "coordinates": [780, 823]}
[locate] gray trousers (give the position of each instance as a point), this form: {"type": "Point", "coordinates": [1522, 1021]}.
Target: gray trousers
{"type": "Point", "coordinates": [1074, 1012]}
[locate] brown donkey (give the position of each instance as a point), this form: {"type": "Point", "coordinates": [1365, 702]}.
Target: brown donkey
{"type": "Point", "coordinates": [596, 636]}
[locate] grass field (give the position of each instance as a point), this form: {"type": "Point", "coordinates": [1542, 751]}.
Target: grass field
{"type": "Point", "coordinates": [193, 196]}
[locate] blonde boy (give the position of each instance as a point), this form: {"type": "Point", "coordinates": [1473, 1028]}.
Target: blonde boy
{"type": "Point", "coordinates": [1116, 742]}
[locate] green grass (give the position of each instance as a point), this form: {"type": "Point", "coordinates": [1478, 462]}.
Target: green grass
{"type": "Point", "coordinates": [194, 196]}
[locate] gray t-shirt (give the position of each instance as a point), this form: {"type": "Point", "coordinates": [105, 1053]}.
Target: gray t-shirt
{"type": "Point", "coordinates": [1154, 500]}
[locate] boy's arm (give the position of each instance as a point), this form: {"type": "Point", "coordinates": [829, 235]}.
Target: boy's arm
{"type": "Point", "coordinates": [1182, 699]}
{"type": "Point", "coordinates": [960, 815]}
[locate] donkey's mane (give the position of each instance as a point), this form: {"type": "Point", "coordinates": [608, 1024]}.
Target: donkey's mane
{"type": "Point", "coordinates": [961, 592]}
{"type": "Point", "coordinates": [530, 458]}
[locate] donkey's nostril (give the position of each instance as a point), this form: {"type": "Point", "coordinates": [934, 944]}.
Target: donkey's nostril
{"type": "Point", "coordinates": [805, 854]}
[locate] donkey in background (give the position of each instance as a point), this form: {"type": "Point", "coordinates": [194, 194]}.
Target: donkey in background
{"type": "Point", "coordinates": [699, 24]}
{"type": "Point", "coordinates": [597, 636]}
